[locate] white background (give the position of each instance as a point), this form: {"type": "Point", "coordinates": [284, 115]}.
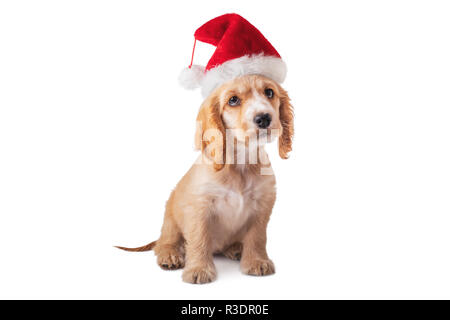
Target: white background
{"type": "Point", "coordinates": [95, 132]}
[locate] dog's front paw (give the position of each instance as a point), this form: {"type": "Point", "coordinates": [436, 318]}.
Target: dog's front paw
{"type": "Point", "coordinates": [199, 275]}
{"type": "Point", "coordinates": [258, 267]}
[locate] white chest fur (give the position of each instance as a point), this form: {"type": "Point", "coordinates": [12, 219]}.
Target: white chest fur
{"type": "Point", "coordinates": [231, 201]}
{"type": "Point", "coordinates": [231, 207]}
{"type": "Point", "coordinates": [233, 204]}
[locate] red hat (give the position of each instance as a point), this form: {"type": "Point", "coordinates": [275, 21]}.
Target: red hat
{"type": "Point", "coordinates": [240, 50]}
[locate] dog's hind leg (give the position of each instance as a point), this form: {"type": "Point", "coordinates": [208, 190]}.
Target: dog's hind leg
{"type": "Point", "coordinates": [234, 251]}
{"type": "Point", "coordinates": [170, 246]}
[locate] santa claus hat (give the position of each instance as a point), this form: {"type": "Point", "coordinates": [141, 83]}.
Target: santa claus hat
{"type": "Point", "coordinates": [241, 49]}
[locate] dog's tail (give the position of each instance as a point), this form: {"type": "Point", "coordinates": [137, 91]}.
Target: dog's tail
{"type": "Point", "coordinates": [147, 247]}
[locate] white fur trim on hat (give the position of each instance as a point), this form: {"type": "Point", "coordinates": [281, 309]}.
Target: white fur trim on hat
{"type": "Point", "coordinates": [268, 66]}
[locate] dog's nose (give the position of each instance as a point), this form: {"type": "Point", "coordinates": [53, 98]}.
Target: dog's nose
{"type": "Point", "coordinates": [262, 120]}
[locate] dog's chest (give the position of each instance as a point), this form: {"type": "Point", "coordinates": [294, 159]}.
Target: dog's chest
{"type": "Point", "coordinates": [233, 205]}
{"type": "Point", "coordinates": [230, 208]}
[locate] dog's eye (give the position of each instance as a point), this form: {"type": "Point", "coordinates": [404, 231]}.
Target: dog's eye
{"type": "Point", "coordinates": [268, 93]}
{"type": "Point", "coordinates": [234, 101]}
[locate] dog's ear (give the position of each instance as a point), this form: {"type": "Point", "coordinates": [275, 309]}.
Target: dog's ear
{"type": "Point", "coordinates": [210, 132]}
{"type": "Point", "coordinates": [287, 125]}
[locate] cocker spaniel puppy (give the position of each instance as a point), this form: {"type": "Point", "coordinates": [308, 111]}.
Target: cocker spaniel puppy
{"type": "Point", "coordinates": [223, 203]}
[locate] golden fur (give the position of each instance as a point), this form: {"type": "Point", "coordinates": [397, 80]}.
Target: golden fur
{"type": "Point", "coordinates": [221, 206]}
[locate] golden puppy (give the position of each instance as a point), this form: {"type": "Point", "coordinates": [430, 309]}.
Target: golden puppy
{"type": "Point", "coordinates": [223, 203]}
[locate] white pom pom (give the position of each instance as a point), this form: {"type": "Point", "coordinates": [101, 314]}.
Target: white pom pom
{"type": "Point", "coordinates": [191, 78]}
